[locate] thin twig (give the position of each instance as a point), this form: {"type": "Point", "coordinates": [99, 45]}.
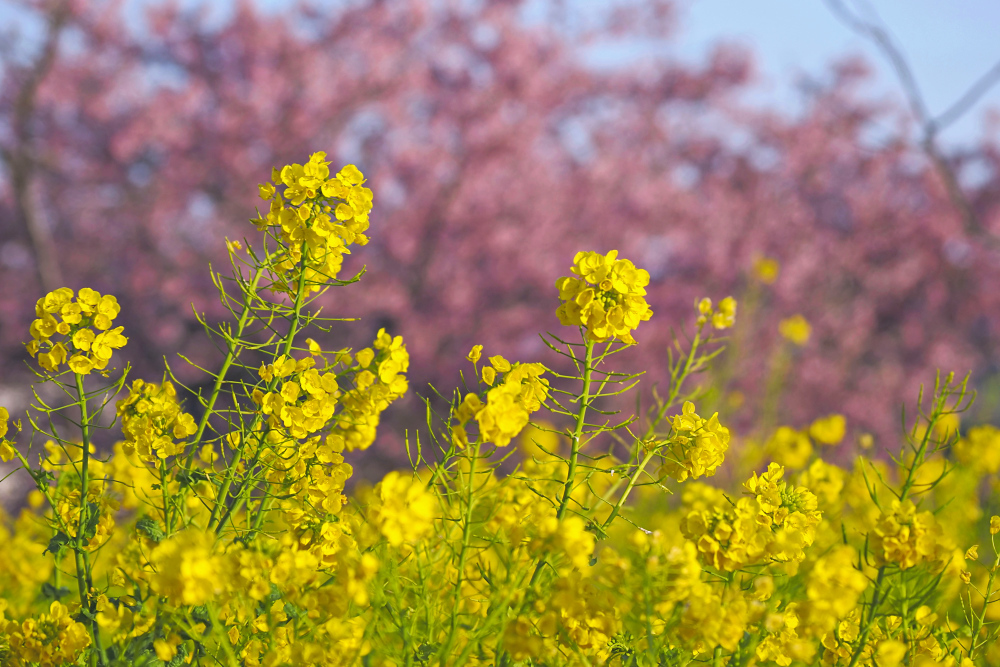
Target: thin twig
{"type": "Point", "coordinates": [930, 125]}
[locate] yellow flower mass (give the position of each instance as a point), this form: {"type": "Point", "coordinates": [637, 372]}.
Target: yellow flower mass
{"type": "Point", "coordinates": [222, 522]}
{"type": "Point", "coordinates": [606, 297]}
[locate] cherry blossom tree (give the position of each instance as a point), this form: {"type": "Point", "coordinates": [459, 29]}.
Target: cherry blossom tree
{"type": "Point", "coordinates": [130, 152]}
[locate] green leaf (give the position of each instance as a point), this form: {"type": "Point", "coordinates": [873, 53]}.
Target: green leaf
{"type": "Point", "coordinates": [50, 592]}
{"type": "Point", "coordinates": [59, 541]}
{"type": "Point", "coordinates": [90, 527]}
{"type": "Point", "coordinates": [150, 528]}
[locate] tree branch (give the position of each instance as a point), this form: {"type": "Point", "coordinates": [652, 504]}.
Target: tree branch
{"type": "Point", "coordinates": [20, 158]}
{"type": "Point", "coordinates": [930, 125]}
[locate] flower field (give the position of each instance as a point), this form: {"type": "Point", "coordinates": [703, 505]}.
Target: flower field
{"type": "Point", "coordinates": [539, 523]}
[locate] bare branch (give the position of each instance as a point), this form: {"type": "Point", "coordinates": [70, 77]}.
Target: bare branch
{"type": "Point", "coordinates": [930, 126]}
{"type": "Point", "coordinates": [20, 158]}
{"type": "Point", "coordinates": [969, 99]}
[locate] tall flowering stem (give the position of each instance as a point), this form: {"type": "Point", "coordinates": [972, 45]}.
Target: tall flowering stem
{"type": "Point", "coordinates": [84, 578]}
{"type": "Point", "coordinates": [924, 440]}
{"type": "Point", "coordinates": [583, 402]}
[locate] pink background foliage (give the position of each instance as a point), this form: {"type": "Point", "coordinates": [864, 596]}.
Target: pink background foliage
{"type": "Point", "coordinates": [494, 156]}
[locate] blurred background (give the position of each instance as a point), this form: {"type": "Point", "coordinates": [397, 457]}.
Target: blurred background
{"type": "Point", "coordinates": [833, 160]}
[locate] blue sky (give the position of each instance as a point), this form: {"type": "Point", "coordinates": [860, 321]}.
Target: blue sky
{"type": "Point", "coordinates": [949, 44]}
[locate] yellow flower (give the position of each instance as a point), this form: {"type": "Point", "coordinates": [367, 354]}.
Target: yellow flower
{"type": "Point", "coordinates": [795, 329]}
{"type": "Point", "coordinates": [766, 269]}
{"type": "Point", "coordinates": [607, 297]}
{"type": "Point", "coordinates": [828, 430]}
{"type": "Point", "coordinates": [404, 509]}
{"type": "Point", "coordinates": [500, 364]}
{"type": "Point", "coordinates": [503, 417]}
{"type": "Point", "coordinates": [722, 317]}
{"type": "Point", "coordinates": [906, 537]}
{"type": "Point", "coordinates": [475, 354]}
{"type": "Point", "coordinates": [80, 364]}
{"type": "Point", "coordinates": [890, 653]}
{"type": "Point", "coordinates": [152, 421]}
{"type": "Point", "coordinates": [994, 525]}
{"type": "Point", "coordinates": [7, 451]}
{"type": "Point", "coordinates": [365, 357]}
{"type": "Point", "coordinates": [833, 587]}
{"type": "Point", "coordinates": [979, 449]}
{"type": "Point", "coordinates": [725, 316]}
{"type": "Point", "coordinates": [568, 537]}
{"type": "Point", "coordinates": [790, 447]}
{"type": "Point", "coordinates": [186, 569]}
{"type": "Point", "coordinates": [696, 447]}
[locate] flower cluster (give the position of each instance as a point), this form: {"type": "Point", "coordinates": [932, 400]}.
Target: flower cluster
{"type": "Point", "coordinates": [303, 400]}
{"type": "Point", "coordinates": [75, 331]}
{"type": "Point", "coordinates": [722, 317]}
{"type": "Point", "coordinates": [404, 510]}
{"type": "Point", "coordinates": [793, 448]}
{"type": "Point", "coordinates": [153, 423]}
{"type": "Point", "coordinates": [606, 298]}
{"type": "Point", "coordinates": [516, 391]}
{"type": "Point", "coordinates": [240, 540]}
{"type": "Point", "coordinates": [697, 446]}
{"type": "Point", "coordinates": [905, 537]}
{"type": "Point", "coordinates": [53, 638]}
{"type": "Point", "coordinates": [317, 217]}
{"type": "Point", "coordinates": [379, 380]}
{"type": "Point", "coordinates": [7, 451]}
{"type": "Point", "coordinates": [980, 449]}
{"type": "Point", "coordinates": [774, 523]}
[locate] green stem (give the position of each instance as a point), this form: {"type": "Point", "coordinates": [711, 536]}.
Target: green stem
{"type": "Point", "coordinates": [628, 489]}
{"type": "Point", "coordinates": [581, 417]}
{"type": "Point", "coordinates": [863, 637]}
{"type": "Point", "coordinates": [83, 574]}
{"type": "Point", "coordinates": [470, 503]}
{"type": "Point", "coordinates": [163, 494]}
{"type": "Point", "coordinates": [231, 353]}
{"type": "Point", "coordinates": [903, 496]}
{"type": "Point", "coordinates": [979, 621]}
{"type": "Point", "coordinates": [677, 381]}
{"type": "Point", "coordinates": [289, 340]}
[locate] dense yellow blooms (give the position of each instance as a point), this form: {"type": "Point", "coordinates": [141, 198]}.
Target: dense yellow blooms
{"type": "Point", "coordinates": [317, 216]}
{"type": "Point", "coordinates": [185, 569]}
{"type": "Point", "coordinates": [152, 421]}
{"type": "Point", "coordinates": [789, 447]}
{"type": "Point", "coordinates": [832, 587]}
{"type": "Point", "coordinates": [606, 298]}
{"type": "Point", "coordinates": [980, 449]}
{"type": "Point", "coordinates": [379, 380]}
{"type": "Point", "coordinates": [239, 539]}
{"type": "Point", "coordinates": [404, 510]}
{"type": "Point", "coordinates": [53, 638]}
{"type": "Point", "coordinates": [75, 331]}
{"type": "Point", "coordinates": [828, 430]}
{"type": "Point", "coordinates": [7, 452]}
{"type": "Point", "coordinates": [697, 446]}
{"type": "Point", "coordinates": [795, 329]}
{"type": "Point", "coordinates": [520, 391]}
{"type": "Point", "coordinates": [905, 537]}
{"type": "Point", "coordinates": [774, 523]}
